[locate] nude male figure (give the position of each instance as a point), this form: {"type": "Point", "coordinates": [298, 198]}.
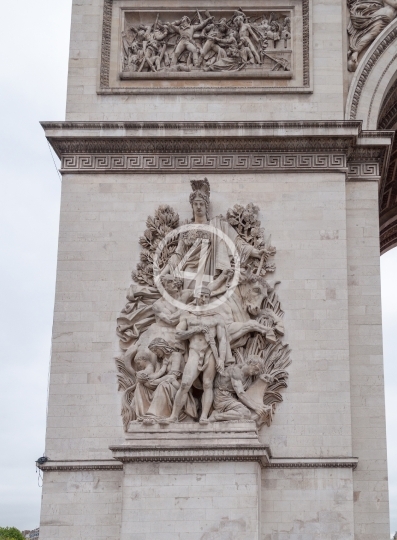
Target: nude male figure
{"type": "Point", "coordinates": [201, 329]}
{"type": "Point", "coordinates": [246, 33]}
{"type": "Point", "coordinates": [186, 30]}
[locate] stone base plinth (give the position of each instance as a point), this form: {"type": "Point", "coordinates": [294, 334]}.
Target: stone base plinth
{"type": "Point", "coordinates": [193, 434]}
{"type": "Point", "coordinates": [192, 442]}
{"type": "Point", "coordinates": [175, 501]}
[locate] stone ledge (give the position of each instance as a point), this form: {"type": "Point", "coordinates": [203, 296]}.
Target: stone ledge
{"type": "Point", "coordinates": [83, 465]}
{"type": "Point", "coordinates": [320, 128]}
{"type": "Point", "coordinates": [127, 76]}
{"type": "Point", "coordinates": [313, 463]}
{"type": "Point", "coordinates": [127, 453]}
{"type": "Point", "coordinates": [192, 434]}
{"type": "Point", "coordinates": [215, 147]}
{"type": "Point", "coordinates": [261, 454]}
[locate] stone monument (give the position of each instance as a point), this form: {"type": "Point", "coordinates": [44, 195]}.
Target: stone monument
{"type": "Point", "coordinates": [217, 350]}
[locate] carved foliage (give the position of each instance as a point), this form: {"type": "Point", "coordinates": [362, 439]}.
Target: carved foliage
{"type": "Point", "coordinates": [241, 333]}
{"type": "Point", "coordinates": [163, 222]}
{"type": "Point", "coordinates": [245, 221]}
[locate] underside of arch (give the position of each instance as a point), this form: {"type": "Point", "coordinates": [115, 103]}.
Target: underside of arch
{"type": "Point", "coordinates": [372, 99]}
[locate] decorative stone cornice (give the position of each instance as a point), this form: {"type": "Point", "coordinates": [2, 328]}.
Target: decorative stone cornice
{"type": "Point", "coordinates": [261, 454]}
{"type": "Point", "coordinates": [209, 145]}
{"type": "Point", "coordinates": [146, 147]}
{"type": "Point", "coordinates": [348, 127]}
{"type": "Point", "coordinates": [127, 453]}
{"type": "Point", "coordinates": [88, 465]}
{"type": "Point", "coordinates": [313, 463]}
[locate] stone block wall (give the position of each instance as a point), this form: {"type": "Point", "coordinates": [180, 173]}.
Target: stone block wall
{"type": "Point", "coordinates": [81, 504]}
{"type": "Point", "coordinates": [327, 78]}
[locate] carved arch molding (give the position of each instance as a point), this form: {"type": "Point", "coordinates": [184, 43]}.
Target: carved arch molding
{"type": "Point", "coordinates": [373, 100]}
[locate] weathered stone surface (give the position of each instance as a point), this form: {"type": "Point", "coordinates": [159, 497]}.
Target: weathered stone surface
{"type": "Point", "coordinates": [136, 145]}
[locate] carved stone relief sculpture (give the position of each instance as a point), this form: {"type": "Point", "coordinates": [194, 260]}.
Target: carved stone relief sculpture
{"type": "Point", "coordinates": [197, 44]}
{"type": "Point", "coordinates": [201, 334]}
{"type": "Point", "coordinates": [367, 20]}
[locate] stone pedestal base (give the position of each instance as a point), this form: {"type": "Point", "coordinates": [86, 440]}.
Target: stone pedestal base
{"type": "Point", "coordinates": [193, 434]}
{"type": "Point", "coordinates": [194, 501]}
{"type": "Point", "coordinates": [187, 481]}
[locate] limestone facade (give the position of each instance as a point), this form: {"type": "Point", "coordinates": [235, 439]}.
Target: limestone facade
{"type": "Point", "coordinates": [312, 151]}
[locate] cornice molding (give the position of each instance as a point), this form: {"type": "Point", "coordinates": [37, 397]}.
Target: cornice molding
{"type": "Point", "coordinates": [88, 465]}
{"type": "Point", "coordinates": [261, 454]}
{"type": "Point", "coordinates": [301, 125]}
{"type": "Point", "coordinates": [208, 145]}
{"type": "Point", "coordinates": [313, 463]}
{"type": "Point", "coordinates": [190, 147]}
{"type": "Point", "coordinates": [127, 453]}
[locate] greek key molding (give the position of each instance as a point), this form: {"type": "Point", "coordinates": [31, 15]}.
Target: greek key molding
{"type": "Point", "coordinates": [369, 171]}
{"type": "Point", "coordinates": [148, 163]}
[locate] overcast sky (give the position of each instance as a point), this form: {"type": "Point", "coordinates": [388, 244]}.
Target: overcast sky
{"type": "Point", "coordinates": [33, 54]}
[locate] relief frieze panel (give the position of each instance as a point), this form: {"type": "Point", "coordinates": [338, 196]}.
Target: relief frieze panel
{"type": "Point", "coordinates": [186, 48]}
{"type": "Point", "coordinates": [204, 44]}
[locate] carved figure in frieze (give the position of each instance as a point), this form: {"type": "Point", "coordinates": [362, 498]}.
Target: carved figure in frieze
{"type": "Point", "coordinates": [367, 20]}
{"type": "Point", "coordinates": [213, 35]}
{"type": "Point", "coordinates": [247, 35]}
{"type": "Point", "coordinates": [201, 303]}
{"type": "Point", "coordinates": [226, 42]}
{"type": "Point", "coordinates": [186, 31]}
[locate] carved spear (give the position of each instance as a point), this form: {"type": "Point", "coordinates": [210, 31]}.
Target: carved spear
{"type": "Point", "coordinates": [259, 269]}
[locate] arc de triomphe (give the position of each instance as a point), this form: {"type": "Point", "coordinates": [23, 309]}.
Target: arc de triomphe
{"type": "Point", "coordinates": [229, 182]}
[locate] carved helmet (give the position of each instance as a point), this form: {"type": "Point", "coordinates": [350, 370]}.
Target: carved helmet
{"type": "Point", "coordinates": [201, 190]}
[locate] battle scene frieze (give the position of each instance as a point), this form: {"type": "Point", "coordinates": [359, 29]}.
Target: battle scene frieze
{"type": "Point", "coordinates": [184, 44]}
{"type": "Point", "coordinates": [183, 48]}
